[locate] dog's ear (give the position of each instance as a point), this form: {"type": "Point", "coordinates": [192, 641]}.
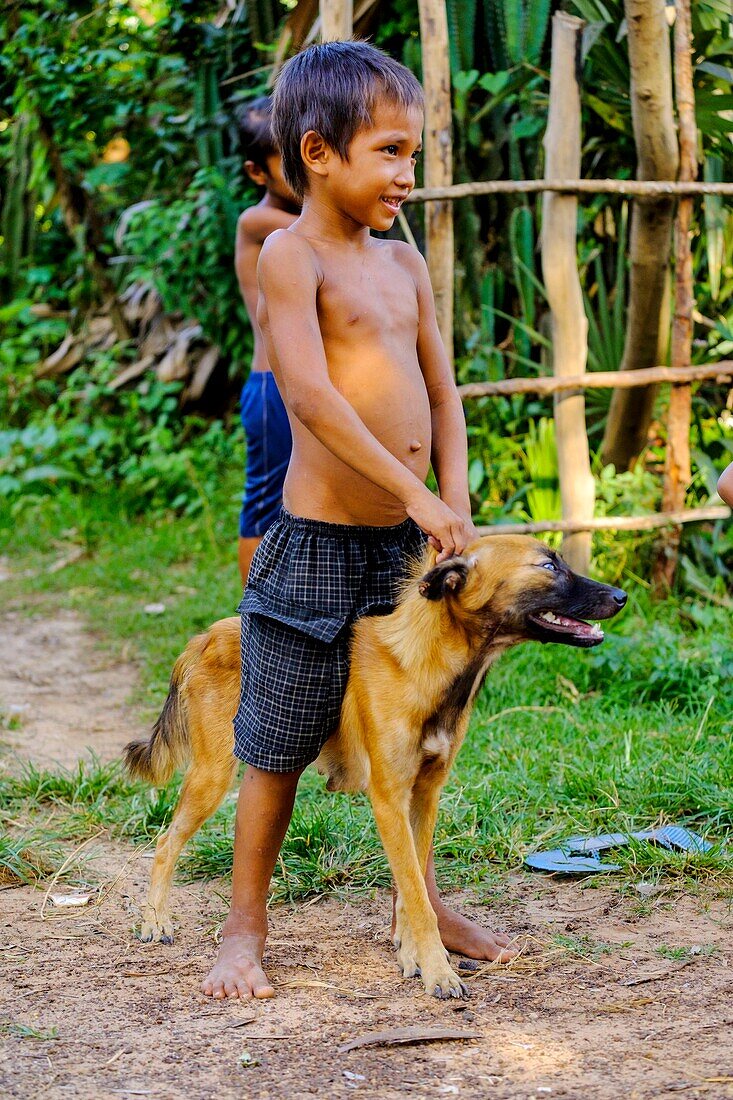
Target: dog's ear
{"type": "Point", "coordinates": [445, 579]}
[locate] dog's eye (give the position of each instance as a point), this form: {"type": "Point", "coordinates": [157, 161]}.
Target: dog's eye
{"type": "Point", "coordinates": [549, 565]}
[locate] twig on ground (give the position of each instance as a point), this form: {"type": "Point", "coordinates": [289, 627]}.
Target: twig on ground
{"type": "Point", "coordinates": [303, 983]}
{"type": "Point", "coordinates": [417, 1034]}
{"type": "Point", "coordinates": [662, 974]}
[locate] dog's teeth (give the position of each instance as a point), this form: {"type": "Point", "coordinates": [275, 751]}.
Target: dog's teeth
{"type": "Point", "coordinates": [549, 617]}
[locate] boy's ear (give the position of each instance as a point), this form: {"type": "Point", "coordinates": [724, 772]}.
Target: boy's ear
{"type": "Point", "coordinates": [256, 173]}
{"type": "Point", "coordinates": [315, 152]}
{"type": "Point", "coordinates": [445, 579]}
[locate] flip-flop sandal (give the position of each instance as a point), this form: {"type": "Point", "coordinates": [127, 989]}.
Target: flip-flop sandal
{"type": "Point", "coordinates": [580, 855]}
{"type": "Point", "coordinates": [560, 861]}
{"type": "Point", "coordinates": [676, 836]}
{"type": "Point", "coordinates": [669, 836]}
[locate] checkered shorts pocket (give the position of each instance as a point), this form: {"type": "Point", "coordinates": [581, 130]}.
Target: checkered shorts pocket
{"type": "Point", "coordinates": [294, 671]}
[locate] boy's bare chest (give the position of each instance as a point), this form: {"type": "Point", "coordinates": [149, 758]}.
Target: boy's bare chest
{"type": "Point", "coordinates": [367, 298]}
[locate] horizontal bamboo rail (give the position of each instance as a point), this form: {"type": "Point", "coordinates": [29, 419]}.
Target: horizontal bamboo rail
{"type": "Point", "coordinates": [600, 380]}
{"type": "Point", "coordinates": [611, 523]}
{"type": "Point", "coordinates": [641, 189]}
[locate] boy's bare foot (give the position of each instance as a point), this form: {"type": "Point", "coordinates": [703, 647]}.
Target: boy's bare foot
{"type": "Point", "coordinates": [465, 937]}
{"type": "Point", "coordinates": [238, 971]}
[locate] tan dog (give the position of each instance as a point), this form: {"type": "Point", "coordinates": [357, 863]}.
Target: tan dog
{"type": "Point", "coordinates": [414, 675]}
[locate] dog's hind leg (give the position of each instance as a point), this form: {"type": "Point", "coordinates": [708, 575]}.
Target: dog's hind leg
{"type": "Point", "coordinates": [204, 787]}
{"type": "Point", "coordinates": [421, 945]}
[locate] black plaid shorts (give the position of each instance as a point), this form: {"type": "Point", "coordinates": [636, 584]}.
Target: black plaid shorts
{"type": "Point", "coordinates": [309, 582]}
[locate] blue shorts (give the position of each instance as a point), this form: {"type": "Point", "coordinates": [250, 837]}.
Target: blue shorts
{"type": "Point", "coordinates": [269, 443]}
{"type": "Point", "coordinates": [309, 582]}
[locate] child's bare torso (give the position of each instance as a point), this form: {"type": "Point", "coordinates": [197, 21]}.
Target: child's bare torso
{"type": "Point", "coordinates": [368, 317]}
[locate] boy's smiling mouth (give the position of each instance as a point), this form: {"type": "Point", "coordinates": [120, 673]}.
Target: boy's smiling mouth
{"type": "Point", "coordinates": [393, 202]}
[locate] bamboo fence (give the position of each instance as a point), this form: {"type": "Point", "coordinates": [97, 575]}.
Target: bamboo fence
{"type": "Point", "coordinates": [439, 237]}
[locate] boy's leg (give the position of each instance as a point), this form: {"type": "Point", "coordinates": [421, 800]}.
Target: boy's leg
{"type": "Point", "coordinates": [459, 934]}
{"type": "Point", "coordinates": [263, 814]}
{"type": "Point", "coordinates": [246, 551]}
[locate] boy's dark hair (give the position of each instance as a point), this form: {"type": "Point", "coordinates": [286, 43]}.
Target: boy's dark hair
{"type": "Point", "coordinates": [254, 121]}
{"type": "Point", "coordinates": [333, 88]}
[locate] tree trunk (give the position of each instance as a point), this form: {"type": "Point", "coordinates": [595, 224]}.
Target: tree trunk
{"type": "Point", "coordinates": [677, 459]}
{"type": "Point", "coordinates": [560, 270]}
{"type": "Point", "coordinates": [651, 224]}
{"type": "Point", "coordinates": [438, 160]}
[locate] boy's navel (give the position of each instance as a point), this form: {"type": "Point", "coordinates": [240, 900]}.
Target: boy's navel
{"type": "Point", "coordinates": [415, 445]}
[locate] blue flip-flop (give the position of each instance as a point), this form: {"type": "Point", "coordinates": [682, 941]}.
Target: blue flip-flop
{"type": "Point", "coordinates": [580, 854]}
{"type": "Point", "coordinates": [560, 861]}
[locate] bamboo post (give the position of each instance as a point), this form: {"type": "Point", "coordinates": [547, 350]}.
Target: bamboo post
{"type": "Point", "coordinates": [337, 20]}
{"type": "Point", "coordinates": [677, 459]}
{"type": "Point", "coordinates": [560, 270]}
{"type": "Point", "coordinates": [438, 158]}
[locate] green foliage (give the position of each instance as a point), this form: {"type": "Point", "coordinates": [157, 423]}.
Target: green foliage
{"type": "Point", "coordinates": [540, 461]}
{"type": "Point", "coordinates": [522, 244]}
{"type": "Point", "coordinates": [84, 433]}
{"type": "Point", "coordinates": [106, 107]}
{"type": "Point", "coordinates": [605, 305]}
{"type": "Point", "coordinates": [516, 30]}
{"type": "Point", "coordinates": [185, 247]}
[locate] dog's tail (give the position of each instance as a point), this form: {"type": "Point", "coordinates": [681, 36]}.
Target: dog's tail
{"type": "Point", "coordinates": [169, 745]}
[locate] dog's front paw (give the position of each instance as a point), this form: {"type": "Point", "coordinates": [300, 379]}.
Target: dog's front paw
{"type": "Point", "coordinates": [442, 981]}
{"type": "Point", "coordinates": [156, 927]}
{"type": "Point", "coordinates": [407, 953]}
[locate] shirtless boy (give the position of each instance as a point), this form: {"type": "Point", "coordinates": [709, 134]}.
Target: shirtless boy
{"type": "Point", "coordinates": [350, 331]}
{"type": "Point", "coordinates": [264, 419]}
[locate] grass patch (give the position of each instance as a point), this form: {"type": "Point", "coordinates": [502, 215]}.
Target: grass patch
{"type": "Point", "coordinates": [562, 741]}
{"type": "Point", "coordinates": [582, 947]}
{"type": "Point", "coordinates": [27, 857]}
{"type": "Point", "coordinates": [26, 1031]}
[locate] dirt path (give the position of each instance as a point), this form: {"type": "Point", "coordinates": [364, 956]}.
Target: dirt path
{"type": "Point", "coordinates": [89, 1012]}
{"type": "Point", "coordinates": [65, 692]}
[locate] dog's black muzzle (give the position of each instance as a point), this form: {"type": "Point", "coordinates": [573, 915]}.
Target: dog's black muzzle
{"type": "Point", "coordinates": [560, 612]}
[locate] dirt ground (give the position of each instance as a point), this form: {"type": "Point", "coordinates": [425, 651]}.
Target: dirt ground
{"type": "Point", "coordinates": [87, 1011]}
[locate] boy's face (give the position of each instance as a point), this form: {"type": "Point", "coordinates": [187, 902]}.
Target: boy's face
{"type": "Point", "coordinates": [380, 173]}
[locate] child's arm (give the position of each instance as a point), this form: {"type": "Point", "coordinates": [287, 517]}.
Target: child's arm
{"type": "Point", "coordinates": [450, 451]}
{"type": "Point", "coordinates": [287, 313]}
{"type": "Point", "coordinates": [725, 485]}
{"type": "Point", "coordinates": [254, 225]}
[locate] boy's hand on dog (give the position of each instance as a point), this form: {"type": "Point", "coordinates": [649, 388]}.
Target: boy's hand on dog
{"type": "Point", "coordinates": [448, 532]}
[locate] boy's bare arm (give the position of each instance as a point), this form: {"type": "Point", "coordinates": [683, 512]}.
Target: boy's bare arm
{"type": "Point", "coordinates": [254, 225]}
{"type": "Point", "coordinates": [725, 485]}
{"type": "Point", "coordinates": [450, 450]}
{"type": "Point", "coordinates": [289, 282]}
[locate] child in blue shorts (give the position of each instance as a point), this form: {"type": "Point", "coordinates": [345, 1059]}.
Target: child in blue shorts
{"type": "Point", "coordinates": [264, 419]}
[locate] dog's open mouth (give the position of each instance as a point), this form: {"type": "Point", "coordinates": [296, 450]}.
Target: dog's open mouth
{"type": "Point", "coordinates": [567, 629]}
